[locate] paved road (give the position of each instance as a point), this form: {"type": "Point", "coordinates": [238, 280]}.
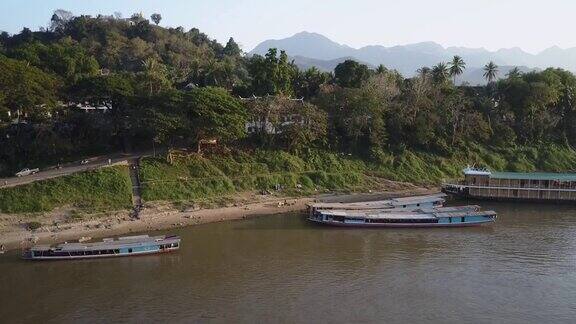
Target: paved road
{"type": "Point", "coordinates": [70, 168]}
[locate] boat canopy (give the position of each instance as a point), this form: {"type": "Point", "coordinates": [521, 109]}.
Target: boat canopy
{"type": "Point", "coordinates": [382, 204]}
{"type": "Point", "coordinates": [534, 176]}
{"type": "Point", "coordinates": [418, 199]}
{"type": "Point", "coordinates": [465, 214]}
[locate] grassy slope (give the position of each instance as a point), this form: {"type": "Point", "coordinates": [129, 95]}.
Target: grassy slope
{"type": "Point", "coordinates": [197, 178]}
{"type": "Point", "coordinates": [101, 190]}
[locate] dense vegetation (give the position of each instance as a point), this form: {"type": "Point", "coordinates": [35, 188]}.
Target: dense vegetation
{"type": "Point", "coordinates": [195, 177]}
{"type": "Point", "coordinates": [175, 88]}
{"type": "Point", "coordinates": [93, 191]}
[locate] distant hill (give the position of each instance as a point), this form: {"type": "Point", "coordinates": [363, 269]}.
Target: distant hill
{"type": "Point", "coordinates": [311, 45]}
{"type": "Point", "coordinates": [312, 49]}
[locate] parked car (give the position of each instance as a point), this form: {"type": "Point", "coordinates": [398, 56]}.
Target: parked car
{"type": "Point", "coordinates": [27, 172]}
{"type": "Point", "coordinates": [84, 162]}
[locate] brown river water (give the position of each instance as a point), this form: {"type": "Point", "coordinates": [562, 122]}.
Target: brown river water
{"type": "Point", "coordinates": [280, 269]}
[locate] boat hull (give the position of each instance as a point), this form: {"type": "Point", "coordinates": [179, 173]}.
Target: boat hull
{"type": "Point", "coordinates": [101, 256]}
{"type": "Point", "coordinates": [399, 225]}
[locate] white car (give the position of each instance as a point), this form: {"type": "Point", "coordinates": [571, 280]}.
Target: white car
{"type": "Point", "coordinates": [27, 172]}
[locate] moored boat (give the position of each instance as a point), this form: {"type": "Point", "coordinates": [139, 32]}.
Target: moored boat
{"type": "Point", "coordinates": [403, 203]}
{"type": "Point", "coordinates": [438, 217]}
{"type": "Point", "coordinates": [514, 186]}
{"type": "Point", "coordinates": [123, 246]}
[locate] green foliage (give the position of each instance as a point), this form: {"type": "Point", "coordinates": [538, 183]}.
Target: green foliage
{"type": "Point", "coordinates": [272, 74]}
{"type": "Point", "coordinates": [65, 58]}
{"type": "Point", "coordinates": [220, 115]}
{"type": "Point", "coordinates": [25, 88]}
{"type": "Point", "coordinates": [102, 190]}
{"type": "Point", "coordinates": [351, 74]}
{"type": "Point", "coordinates": [196, 177]}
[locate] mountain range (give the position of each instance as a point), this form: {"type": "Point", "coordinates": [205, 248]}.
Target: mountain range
{"type": "Point", "coordinates": [312, 49]}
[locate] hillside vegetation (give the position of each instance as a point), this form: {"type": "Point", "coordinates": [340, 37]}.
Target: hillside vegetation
{"type": "Point", "coordinates": [93, 191]}
{"type": "Point", "coordinates": [196, 177]}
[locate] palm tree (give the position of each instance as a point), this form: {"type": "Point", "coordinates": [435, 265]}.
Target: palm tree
{"type": "Point", "coordinates": [514, 73]}
{"type": "Point", "coordinates": [457, 67]}
{"type": "Point", "coordinates": [490, 71]}
{"type": "Point", "coordinates": [381, 69]}
{"type": "Point", "coordinates": [424, 72]}
{"type": "Point", "coordinates": [440, 72]}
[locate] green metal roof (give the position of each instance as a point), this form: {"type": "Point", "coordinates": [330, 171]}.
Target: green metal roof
{"type": "Point", "coordinates": [534, 176]}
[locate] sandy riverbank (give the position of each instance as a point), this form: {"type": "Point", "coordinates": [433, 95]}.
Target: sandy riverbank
{"type": "Point", "coordinates": [15, 235]}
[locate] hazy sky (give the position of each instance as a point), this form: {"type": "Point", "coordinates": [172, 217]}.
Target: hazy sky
{"type": "Point", "coordinates": [532, 25]}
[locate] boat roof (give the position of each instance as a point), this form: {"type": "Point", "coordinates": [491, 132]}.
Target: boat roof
{"type": "Point", "coordinates": [122, 242]}
{"type": "Point", "coordinates": [381, 204]}
{"type": "Point", "coordinates": [462, 214]}
{"type": "Point", "coordinates": [534, 176]}
{"type": "Point", "coordinates": [418, 199]}
{"type": "Point", "coordinates": [342, 212]}
{"type": "Point", "coordinates": [401, 216]}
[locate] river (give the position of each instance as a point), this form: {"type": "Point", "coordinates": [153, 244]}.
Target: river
{"type": "Point", "coordinates": [522, 269]}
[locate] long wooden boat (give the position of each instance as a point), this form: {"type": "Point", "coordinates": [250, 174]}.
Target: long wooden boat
{"type": "Point", "coordinates": [123, 246]}
{"type": "Point", "coordinates": [403, 203]}
{"type": "Point", "coordinates": [438, 217]}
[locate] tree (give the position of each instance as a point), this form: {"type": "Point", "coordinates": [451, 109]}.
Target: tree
{"type": "Point", "coordinates": [272, 74]}
{"type": "Point", "coordinates": [490, 71]}
{"type": "Point", "coordinates": [351, 74]}
{"type": "Point", "coordinates": [424, 72]}
{"type": "Point", "coordinates": [440, 72]}
{"type": "Point", "coordinates": [457, 67]}
{"type": "Point", "coordinates": [514, 73]}
{"type": "Point", "coordinates": [26, 89]}
{"type": "Point", "coordinates": [232, 48]}
{"type": "Point", "coordinates": [308, 83]}
{"type": "Point", "coordinates": [156, 18]}
{"type": "Point", "coordinates": [66, 58]}
{"type": "Point", "coordinates": [59, 19]}
{"type": "Point", "coordinates": [381, 69]}
{"type": "Point", "coordinates": [214, 114]}
{"type": "Point", "coordinates": [154, 76]}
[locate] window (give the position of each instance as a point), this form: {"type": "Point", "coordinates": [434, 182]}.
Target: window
{"type": "Point", "coordinates": [129, 250]}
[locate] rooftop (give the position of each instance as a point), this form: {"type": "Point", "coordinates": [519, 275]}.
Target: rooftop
{"type": "Point", "coordinates": [534, 176]}
{"type": "Point", "coordinates": [381, 204]}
